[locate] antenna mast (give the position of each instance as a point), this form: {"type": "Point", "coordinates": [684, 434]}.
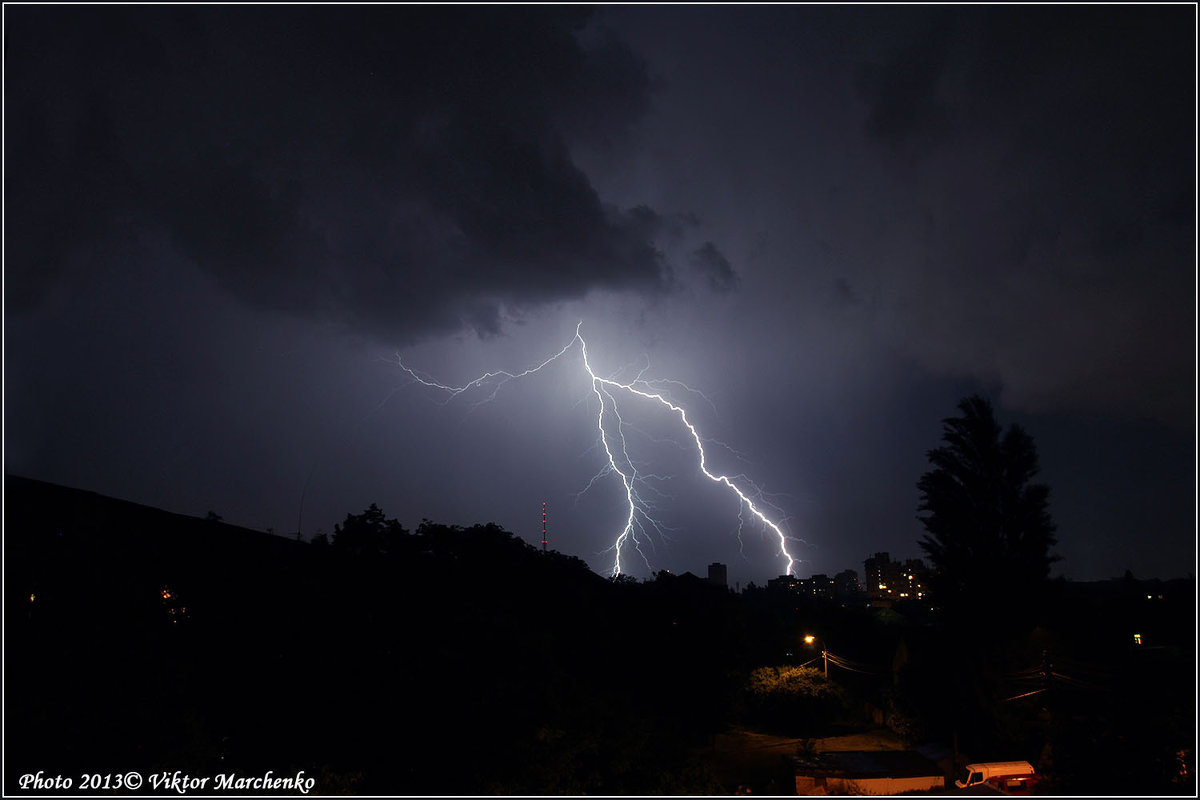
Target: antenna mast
{"type": "Point", "coordinates": [544, 539]}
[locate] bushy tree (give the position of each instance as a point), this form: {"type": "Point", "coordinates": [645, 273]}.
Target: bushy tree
{"type": "Point", "coordinates": [792, 700]}
{"type": "Point", "coordinates": [370, 532]}
{"type": "Point", "coordinates": [989, 530]}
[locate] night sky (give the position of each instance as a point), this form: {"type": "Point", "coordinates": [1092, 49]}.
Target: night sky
{"type": "Point", "coordinates": [223, 225]}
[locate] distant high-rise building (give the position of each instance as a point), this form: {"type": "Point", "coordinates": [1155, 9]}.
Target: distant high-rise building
{"type": "Point", "coordinates": [784, 583]}
{"type": "Point", "coordinates": [717, 574]}
{"type": "Point", "coordinates": [876, 571]}
{"type": "Point", "coordinates": [913, 580]}
{"type": "Point", "coordinates": [888, 581]}
{"type": "Point", "coordinates": [846, 588]}
{"type": "Point", "coordinates": [818, 587]}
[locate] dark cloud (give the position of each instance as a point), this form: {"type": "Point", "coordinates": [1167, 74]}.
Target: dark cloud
{"type": "Point", "coordinates": [1046, 165]}
{"type": "Point", "coordinates": [921, 204]}
{"type": "Point", "coordinates": [844, 294]}
{"type": "Point", "coordinates": [715, 267]}
{"type": "Point", "coordinates": [906, 99]}
{"type": "Point", "coordinates": [397, 169]}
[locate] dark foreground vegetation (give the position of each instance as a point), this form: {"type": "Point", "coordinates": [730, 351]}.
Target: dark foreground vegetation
{"type": "Point", "coordinates": [454, 661]}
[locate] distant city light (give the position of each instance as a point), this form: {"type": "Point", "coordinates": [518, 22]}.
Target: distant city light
{"type": "Point", "coordinates": [1137, 638]}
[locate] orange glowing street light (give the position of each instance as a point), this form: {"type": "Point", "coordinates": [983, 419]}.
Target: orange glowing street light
{"type": "Point", "coordinates": [809, 639]}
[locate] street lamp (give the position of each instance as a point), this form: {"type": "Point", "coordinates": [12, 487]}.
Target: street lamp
{"type": "Point", "coordinates": [809, 639]}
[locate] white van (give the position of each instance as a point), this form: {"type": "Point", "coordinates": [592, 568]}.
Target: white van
{"type": "Point", "coordinates": [975, 774]}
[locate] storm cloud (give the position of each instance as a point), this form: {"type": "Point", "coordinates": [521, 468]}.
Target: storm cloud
{"type": "Point", "coordinates": [715, 267]}
{"type": "Point", "coordinates": [821, 226]}
{"type": "Point", "coordinates": [399, 170]}
{"type": "Point", "coordinates": [1056, 208]}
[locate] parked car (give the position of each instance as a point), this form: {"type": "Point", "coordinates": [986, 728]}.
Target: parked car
{"type": "Point", "coordinates": [986, 771]}
{"type": "Point", "coordinates": [1013, 784]}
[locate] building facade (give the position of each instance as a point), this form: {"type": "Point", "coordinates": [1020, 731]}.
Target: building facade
{"type": "Point", "coordinates": [889, 582]}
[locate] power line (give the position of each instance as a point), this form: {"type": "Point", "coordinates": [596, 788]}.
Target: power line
{"type": "Point", "coordinates": [851, 666]}
{"type": "Point", "coordinates": [1027, 694]}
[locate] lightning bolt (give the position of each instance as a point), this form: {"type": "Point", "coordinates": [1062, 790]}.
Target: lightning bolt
{"type": "Point", "coordinates": [639, 520]}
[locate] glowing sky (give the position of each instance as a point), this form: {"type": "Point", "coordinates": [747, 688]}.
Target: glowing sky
{"type": "Point", "coordinates": [224, 223]}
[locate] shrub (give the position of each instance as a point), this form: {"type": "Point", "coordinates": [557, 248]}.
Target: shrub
{"type": "Point", "coordinates": [792, 700]}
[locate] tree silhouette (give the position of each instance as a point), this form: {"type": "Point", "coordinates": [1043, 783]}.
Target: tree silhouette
{"type": "Point", "coordinates": [370, 532]}
{"type": "Point", "coordinates": [989, 532]}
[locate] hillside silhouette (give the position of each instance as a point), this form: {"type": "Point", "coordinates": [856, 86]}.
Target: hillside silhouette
{"type": "Point", "coordinates": [461, 660]}
{"type": "Point", "coordinates": [443, 661]}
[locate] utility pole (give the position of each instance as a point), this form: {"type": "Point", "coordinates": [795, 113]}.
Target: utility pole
{"type": "Point", "coordinates": [1047, 684]}
{"type": "Point", "coordinates": [809, 639]}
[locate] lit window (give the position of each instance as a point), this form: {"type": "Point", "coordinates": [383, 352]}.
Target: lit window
{"type": "Point", "coordinates": [1137, 638]}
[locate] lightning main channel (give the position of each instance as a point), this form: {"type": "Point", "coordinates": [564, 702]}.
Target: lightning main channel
{"type": "Point", "coordinates": [638, 519]}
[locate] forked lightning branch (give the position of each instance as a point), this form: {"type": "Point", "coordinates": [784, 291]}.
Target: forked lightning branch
{"type": "Point", "coordinates": [639, 522]}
